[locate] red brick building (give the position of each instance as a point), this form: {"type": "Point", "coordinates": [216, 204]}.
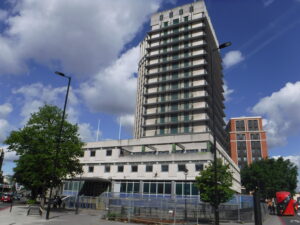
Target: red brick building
{"type": "Point", "coordinates": [248, 141]}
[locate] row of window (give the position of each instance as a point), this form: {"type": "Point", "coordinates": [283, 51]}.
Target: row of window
{"type": "Point", "coordinates": [255, 145]}
{"type": "Point", "coordinates": [191, 9]}
{"type": "Point", "coordinates": [164, 188]}
{"type": "Point", "coordinates": [149, 168]}
{"type": "Point", "coordinates": [252, 125]}
{"type": "Point", "coordinates": [254, 136]}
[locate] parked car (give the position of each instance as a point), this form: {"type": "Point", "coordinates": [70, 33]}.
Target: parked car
{"type": "Point", "coordinates": [6, 198]}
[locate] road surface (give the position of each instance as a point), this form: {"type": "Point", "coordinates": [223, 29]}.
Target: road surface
{"type": "Point", "coordinates": [290, 220]}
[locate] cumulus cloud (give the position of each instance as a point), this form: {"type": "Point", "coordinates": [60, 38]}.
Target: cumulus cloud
{"type": "Point", "coordinates": [267, 2]}
{"type": "Point", "coordinates": [113, 90]}
{"type": "Point", "coordinates": [3, 14]}
{"type": "Point", "coordinates": [281, 111]}
{"type": "Point", "coordinates": [5, 109]}
{"type": "Point", "coordinates": [232, 58]}
{"type": "Point", "coordinates": [36, 95]}
{"type": "Point", "coordinates": [296, 160]}
{"type": "Point", "coordinates": [227, 92]}
{"type": "Point", "coordinates": [79, 36]}
{"type": "Point", "coordinates": [9, 156]}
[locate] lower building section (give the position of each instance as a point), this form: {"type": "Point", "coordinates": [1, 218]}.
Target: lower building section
{"type": "Point", "coordinates": [164, 165]}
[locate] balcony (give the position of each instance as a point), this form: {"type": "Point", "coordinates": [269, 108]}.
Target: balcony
{"type": "Point", "coordinates": [174, 51]}
{"type": "Point", "coordinates": [172, 26]}
{"type": "Point", "coordinates": [179, 78]}
{"type": "Point", "coordinates": [174, 41]}
{"type": "Point", "coordinates": [182, 99]}
{"type": "Point", "coordinates": [168, 60]}
{"type": "Point", "coordinates": [179, 68]}
{"type": "Point", "coordinates": [170, 111]}
{"type": "Point", "coordinates": [170, 123]}
{"type": "Point", "coordinates": [176, 89]}
{"type": "Point", "coordinates": [172, 34]}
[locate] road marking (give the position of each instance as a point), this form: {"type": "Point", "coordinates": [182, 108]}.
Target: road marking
{"type": "Point", "coordinates": [294, 221]}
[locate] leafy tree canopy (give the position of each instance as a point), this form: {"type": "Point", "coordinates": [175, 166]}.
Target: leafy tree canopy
{"type": "Point", "coordinates": [206, 184]}
{"type": "Point", "coordinates": [270, 176]}
{"type": "Point", "coordinates": [36, 146]}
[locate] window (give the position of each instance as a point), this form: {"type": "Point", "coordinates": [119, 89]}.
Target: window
{"type": "Point", "coordinates": [161, 17]}
{"type": "Point", "coordinates": [92, 153]}
{"type": "Point", "coordinates": [174, 129]}
{"type": "Point", "coordinates": [107, 169]}
{"type": "Point", "coordinates": [171, 14]}
{"type": "Point", "coordinates": [186, 128]}
{"type": "Point", "coordinates": [181, 167]}
{"type": "Point", "coordinates": [191, 9]}
{"type": "Point", "coordinates": [252, 125]}
{"type": "Point", "coordinates": [254, 136]}
{"type": "Point", "coordinates": [186, 18]}
{"type": "Point", "coordinates": [175, 21]}
{"type": "Point", "coordinates": [241, 145]}
{"type": "Point", "coordinates": [240, 125]}
{"type": "Point", "coordinates": [162, 130]}
{"type": "Point", "coordinates": [91, 169]}
{"type": "Point", "coordinates": [240, 137]}
{"type": "Point", "coordinates": [120, 169]}
{"type": "Point", "coordinates": [164, 168]}
{"type": "Point", "coordinates": [180, 11]}
{"type": "Point", "coordinates": [166, 24]}
{"type": "Point", "coordinates": [149, 168]}
{"type": "Point", "coordinates": [108, 152]}
{"type": "Point", "coordinates": [199, 167]}
{"type": "Point", "coordinates": [134, 168]}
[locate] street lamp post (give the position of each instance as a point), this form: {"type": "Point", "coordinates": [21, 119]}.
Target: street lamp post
{"type": "Point", "coordinates": [212, 51]}
{"type": "Point", "coordinates": [185, 184]}
{"type": "Point", "coordinates": [58, 140]}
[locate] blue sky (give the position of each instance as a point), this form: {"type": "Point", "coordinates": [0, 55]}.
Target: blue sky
{"type": "Point", "coordinates": [96, 42]}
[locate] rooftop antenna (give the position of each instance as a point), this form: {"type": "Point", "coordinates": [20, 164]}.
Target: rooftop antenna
{"type": "Point", "coordinates": [98, 130]}
{"type": "Point", "coordinates": [120, 128]}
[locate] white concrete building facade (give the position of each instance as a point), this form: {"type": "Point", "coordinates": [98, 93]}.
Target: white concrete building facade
{"type": "Point", "coordinates": [173, 121]}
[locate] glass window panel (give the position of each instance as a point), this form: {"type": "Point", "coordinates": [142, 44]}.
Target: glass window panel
{"type": "Point", "coordinates": [160, 188]}
{"type": "Point", "coordinates": [194, 189]}
{"type": "Point", "coordinates": [146, 188]}
{"type": "Point", "coordinates": [164, 168]}
{"type": "Point", "coordinates": [153, 188]}
{"type": "Point", "coordinates": [178, 188]}
{"type": "Point", "coordinates": [129, 187]}
{"type": "Point", "coordinates": [75, 186]}
{"type": "Point", "coordinates": [123, 187]}
{"type": "Point", "coordinates": [136, 188]}
{"type": "Point", "coordinates": [187, 188]}
{"type": "Point", "coordinates": [167, 188]}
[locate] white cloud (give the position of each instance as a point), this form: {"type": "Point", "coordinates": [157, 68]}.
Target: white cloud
{"type": "Point", "coordinates": [36, 95]}
{"type": "Point", "coordinates": [281, 111]}
{"type": "Point", "coordinates": [232, 58]}
{"type": "Point", "coordinates": [113, 90]}
{"type": "Point", "coordinates": [267, 2]}
{"type": "Point", "coordinates": [5, 109]}
{"type": "Point", "coordinates": [87, 133]}
{"type": "Point", "coordinates": [80, 36]}
{"type": "Point", "coordinates": [9, 156]}
{"type": "Point", "coordinates": [3, 14]}
{"type": "Point", "coordinates": [127, 122]}
{"type": "Point", "coordinates": [227, 92]}
{"type": "Point", "coordinates": [296, 160]}
{"type": "Point", "coordinates": [5, 128]}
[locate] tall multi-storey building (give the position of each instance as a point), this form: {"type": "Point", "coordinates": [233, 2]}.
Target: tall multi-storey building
{"type": "Point", "coordinates": [174, 94]}
{"type": "Point", "coordinates": [174, 112]}
{"type": "Point", "coordinates": [247, 140]}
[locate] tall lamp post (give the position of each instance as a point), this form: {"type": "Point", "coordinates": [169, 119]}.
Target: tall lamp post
{"type": "Point", "coordinates": [185, 184]}
{"type": "Point", "coordinates": [58, 140]}
{"type": "Point", "coordinates": [212, 51]}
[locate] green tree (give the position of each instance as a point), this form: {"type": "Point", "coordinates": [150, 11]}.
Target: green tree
{"type": "Point", "coordinates": [36, 146]}
{"type": "Point", "coordinates": [206, 184]}
{"type": "Point", "coordinates": [270, 176]}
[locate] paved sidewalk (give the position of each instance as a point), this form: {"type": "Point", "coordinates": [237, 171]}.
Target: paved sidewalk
{"type": "Point", "coordinates": [18, 216]}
